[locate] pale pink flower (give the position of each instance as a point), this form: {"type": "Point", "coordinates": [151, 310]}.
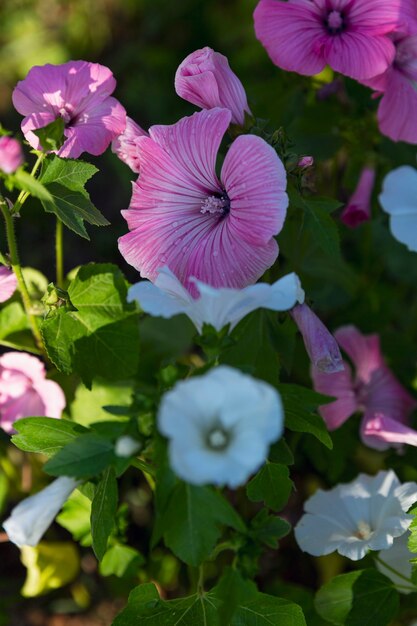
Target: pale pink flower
{"type": "Point", "coordinates": [8, 283]}
{"type": "Point", "coordinates": [319, 343]}
{"type": "Point", "coordinates": [218, 230]}
{"type": "Point", "coordinates": [205, 79]}
{"type": "Point", "coordinates": [24, 391]}
{"type": "Point", "coordinates": [358, 209]}
{"type": "Point", "coordinates": [373, 390]}
{"type": "Point", "coordinates": [79, 93]}
{"type": "Point", "coordinates": [11, 155]}
{"type": "Point", "coordinates": [349, 35]}
{"type": "Point", "coordinates": [126, 145]}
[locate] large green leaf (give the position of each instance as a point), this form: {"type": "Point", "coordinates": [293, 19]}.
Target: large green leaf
{"type": "Point", "coordinates": [86, 456]}
{"type": "Point", "coordinates": [267, 610]}
{"type": "Point", "coordinates": [272, 485]}
{"type": "Point", "coordinates": [103, 512]}
{"type": "Point", "coordinates": [70, 173]}
{"type": "Point", "coordinates": [300, 406]}
{"type": "Point", "coordinates": [45, 435]}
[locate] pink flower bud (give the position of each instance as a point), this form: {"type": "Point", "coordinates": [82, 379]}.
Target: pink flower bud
{"type": "Point", "coordinates": [205, 79]}
{"type": "Point", "coordinates": [358, 209]}
{"type": "Point", "coordinates": [126, 145]}
{"type": "Point", "coordinates": [11, 155]}
{"type": "Point", "coordinates": [321, 346]}
{"type": "Point", "coordinates": [305, 161]}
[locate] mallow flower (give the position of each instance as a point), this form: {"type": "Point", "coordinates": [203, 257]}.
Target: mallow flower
{"type": "Point", "coordinates": [399, 199]}
{"type": "Point", "coordinates": [366, 514]}
{"type": "Point", "coordinates": [11, 155]}
{"type": "Point", "coordinates": [220, 426]}
{"type": "Point", "coordinates": [373, 390]}
{"type": "Point", "coordinates": [352, 36]}
{"type": "Point", "coordinates": [205, 79]}
{"type": "Point", "coordinates": [80, 94]}
{"type": "Point", "coordinates": [218, 230]}
{"type": "Point", "coordinates": [8, 283]}
{"type": "Point", "coordinates": [24, 391]}
{"type": "Point", "coordinates": [398, 558]}
{"type": "Point", "coordinates": [358, 209]}
{"type": "Point", "coordinates": [126, 145]}
{"type": "Point", "coordinates": [31, 518]}
{"type": "Point", "coordinates": [168, 297]}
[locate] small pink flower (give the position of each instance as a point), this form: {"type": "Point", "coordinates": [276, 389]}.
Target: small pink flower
{"type": "Point", "coordinates": [305, 161]}
{"type": "Point", "coordinates": [24, 391]}
{"type": "Point", "coordinates": [349, 35]}
{"type": "Point", "coordinates": [205, 79]}
{"type": "Point", "coordinates": [11, 155]}
{"type": "Point", "coordinates": [319, 343]}
{"type": "Point", "coordinates": [358, 209]}
{"type": "Point", "coordinates": [79, 93]}
{"type": "Point", "coordinates": [218, 230]}
{"type": "Point", "coordinates": [373, 390]}
{"type": "Point", "coordinates": [126, 145]}
{"type": "Point", "coordinates": [8, 283]}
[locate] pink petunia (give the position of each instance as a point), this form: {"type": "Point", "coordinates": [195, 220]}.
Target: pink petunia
{"type": "Point", "coordinates": [358, 209]}
{"type": "Point", "coordinates": [205, 79]}
{"type": "Point", "coordinates": [8, 283]}
{"type": "Point", "coordinates": [373, 390]}
{"type": "Point", "coordinates": [319, 343]}
{"type": "Point", "coordinates": [11, 155]}
{"type": "Point", "coordinates": [126, 145]}
{"type": "Point", "coordinates": [349, 35]}
{"type": "Point", "coordinates": [24, 391]}
{"type": "Point", "coordinates": [79, 93]}
{"type": "Point", "coordinates": [219, 230]}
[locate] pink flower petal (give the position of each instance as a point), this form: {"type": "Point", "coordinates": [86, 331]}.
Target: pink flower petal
{"type": "Point", "coordinates": [358, 209]}
{"type": "Point", "coordinates": [387, 396]}
{"type": "Point", "coordinates": [126, 145]}
{"type": "Point", "coordinates": [52, 397]}
{"type": "Point", "coordinates": [359, 55]}
{"type": "Point", "coordinates": [29, 365]}
{"type": "Point", "coordinates": [340, 386]}
{"type": "Point", "coordinates": [396, 116]}
{"type": "Point", "coordinates": [8, 283]}
{"type": "Point", "coordinates": [364, 351]}
{"type": "Point", "coordinates": [381, 432]}
{"type": "Point", "coordinates": [11, 155]}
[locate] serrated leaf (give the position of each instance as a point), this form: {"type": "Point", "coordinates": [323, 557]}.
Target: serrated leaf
{"type": "Point", "coordinates": [103, 512]}
{"type": "Point", "coordinates": [45, 435]}
{"type": "Point", "coordinates": [86, 456]}
{"type": "Point", "coordinates": [272, 485]}
{"type": "Point", "coordinates": [300, 416]}
{"type": "Point", "coordinates": [70, 173]}
{"type": "Point", "coordinates": [51, 136]}
{"type": "Point", "coordinates": [268, 529]}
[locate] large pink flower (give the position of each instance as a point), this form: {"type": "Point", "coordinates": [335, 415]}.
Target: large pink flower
{"type": "Point", "coordinates": [8, 283]}
{"type": "Point", "coordinates": [218, 230]}
{"type": "Point", "coordinates": [374, 390]}
{"type": "Point", "coordinates": [349, 35]}
{"type": "Point", "coordinates": [79, 92]}
{"type": "Point", "coordinates": [24, 391]}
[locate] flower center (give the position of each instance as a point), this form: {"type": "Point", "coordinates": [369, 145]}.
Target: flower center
{"type": "Point", "coordinates": [364, 531]}
{"type": "Point", "coordinates": [67, 114]}
{"type": "Point", "coordinates": [335, 22]}
{"type": "Point", "coordinates": [216, 205]}
{"type": "Point", "coordinates": [218, 439]}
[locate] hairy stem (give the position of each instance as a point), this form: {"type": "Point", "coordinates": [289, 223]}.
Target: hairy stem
{"type": "Point", "coordinates": [24, 195]}
{"type": "Point", "coordinates": [59, 253]}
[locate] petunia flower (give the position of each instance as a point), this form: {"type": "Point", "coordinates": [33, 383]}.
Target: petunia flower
{"type": "Point", "coordinates": [11, 155]}
{"type": "Point", "coordinates": [79, 93]}
{"type": "Point", "coordinates": [31, 518]}
{"type": "Point", "coordinates": [205, 79]}
{"type": "Point", "coordinates": [220, 426]}
{"type": "Point", "coordinates": [366, 514]}
{"type": "Point", "coordinates": [126, 145]}
{"type": "Point", "coordinates": [399, 199]}
{"type": "Point", "coordinates": [218, 230]}
{"type": "Point", "coordinates": [8, 283]}
{"type": "Point", "coordinates": [24, 391]}
{"type": "Point", "coordinates": [398, 558]}
{"type": "Point", "coordinates": [352, 36]}
{"type": "Point", "coordinates": [358, 209]}
{"type": "Point", "coordinates": [218, 307]}
{"type": "Point", "coordinates": [373, 390]}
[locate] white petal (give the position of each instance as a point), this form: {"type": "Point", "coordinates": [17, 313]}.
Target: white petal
{"type": "Point", "coordinates": [404, 229]}
{"type": "Point", "coordinates": [399, 191]}
{"type": "Point", "coordinates": [406, 494]}
{"type": "Point", "coordinates": [318, 536]}
{"type": "Point", "coordinates": [398, 557]}
{"type": "Point", "coordinates": [154, 301]}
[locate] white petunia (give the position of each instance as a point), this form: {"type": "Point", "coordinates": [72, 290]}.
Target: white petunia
{"type": "Point", "coordinates": [31, 518]}
{"type": "Point", "coordinates": [218, 307]}
{"type": "Point", "coordinates": [220, 426]}
{"type": "Point", "coordinates": [399, 199]}
{"type": "Point", "coordinates": [398, 558]}
{"type": "Point", "coordinates": [366, 514]}
{"type": "Point", "coordinates": [126, 446]}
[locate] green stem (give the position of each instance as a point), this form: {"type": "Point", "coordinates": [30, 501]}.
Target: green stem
{"type": "Point", "coordinates": [200, 582]}
{"type": "Point", "coordinates": [24, 195]}
{"type": "Point", "coordinates": [17, 269]}
{"type": "Point", "coordinates": [394, 571]}
{"type": "Point", "coordinates": [59, 253]}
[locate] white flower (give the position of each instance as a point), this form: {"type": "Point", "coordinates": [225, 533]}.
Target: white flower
{"type": "Point", "coordinates": [218, 307]}
{"type": "Point", "coordinates": [353, 518]}
{"type": "Point", "coordinates": [398, 558]}
{"type": "Point", "coordinates": [399, 199]}
{"type": "Point", "coordinates": [220, 426]}
{"type": "Point", "coordinates": [126, 446]}
{"type": "Point", "coordinates": [30, 519]}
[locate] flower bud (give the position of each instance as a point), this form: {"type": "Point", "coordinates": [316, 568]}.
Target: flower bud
{"type": "Point", "coordinates": [305, 161]}
{"type": "Point", "coordinates": [205, 79]}
{"type": "Point", "coordinates": [126, 147]}
{"type": "Point", "coordinates": [358, 209]}
{"type": "Point", "coordinates": [126, 446]}
{"type": "Point", "coordinates": [11, 155]}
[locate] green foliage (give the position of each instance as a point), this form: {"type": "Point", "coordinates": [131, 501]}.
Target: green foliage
{"type": "Point", "coordinates": [121, 561]}
{"type": "Point", "coordinates": [51, 136]}
{"type": "Point", "coordinates": [103, 511]}
{"type": "Point", "coordinates": [86, 456]}
{"type": "Point", "coordinates": [300, 406]}
{"type": "Point", "coordinates": [75, 517]}
{"type": "Point", "coordinates": [272, 485]}
{"type": "Point", "coordinates": [268, 529]}
{"type": "Point", "coordinates": [45, 434]}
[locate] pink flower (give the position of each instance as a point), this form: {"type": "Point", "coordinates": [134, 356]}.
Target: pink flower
{"type": "Point", "coordinates": [374, 390]}
{"type": "Point", "coordinates": [24, 391]}
{"type": "Point", "coordinates": [218, 230]}
{"type": "Point", "coordinates": [305, 161]}
{"type": "Point", "coordinates": [205, 79]}
{"type": "Point", "coordinates": [126, 145]}
{"type": "Point", "coordinates": [358, 209]}
{"type": "Point", "coordinates": [8, 283]}
{"type": "Point", "coordinates": [349, 35]}
{"type": "Point", "coordinates": [319, 343]}
{"type": "Point", "coordinates": [79, 93]}
{"type": "Point", "coordinates": [11, 155]}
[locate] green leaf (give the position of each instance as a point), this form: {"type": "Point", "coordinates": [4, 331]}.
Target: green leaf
{"type": "Point", "coordinates": [51, 136]}
{"type": "Point", "coordinates": [103, 512]}
{"type": "Point", "coordinates": [232, 591]}
{"type": "Point", "coordinates": [361, 598]}
{"type": "Point", "coordinates": [24, 181]}
{"type": "Point", "coordinates": [75, 517]}
{"type": "Point", "coordinates": [121, 561]}
{"type": "Point", "coordinates": [300, 416]}
{"type": "Point", "coordinates": [193, 519]}
{"type": "Point", "coordinates": [45, 435]}
{"type": "Point", "coordinates": [280, 452]}
{"type": "Point", "coordinates": [267, 610]}
{"type": "Point", "coordinates": [88, 405]}
{"type": "Point", "coordinates": [13, 319]}
{"type": "Point", "coordinates": [268, 529]}
{"type": "Point", "coordinates": [70, 173]}
{"type": "Point", "coordinates": [84, 457]}
{"type": "Point", "coordinates": [272, 485]}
